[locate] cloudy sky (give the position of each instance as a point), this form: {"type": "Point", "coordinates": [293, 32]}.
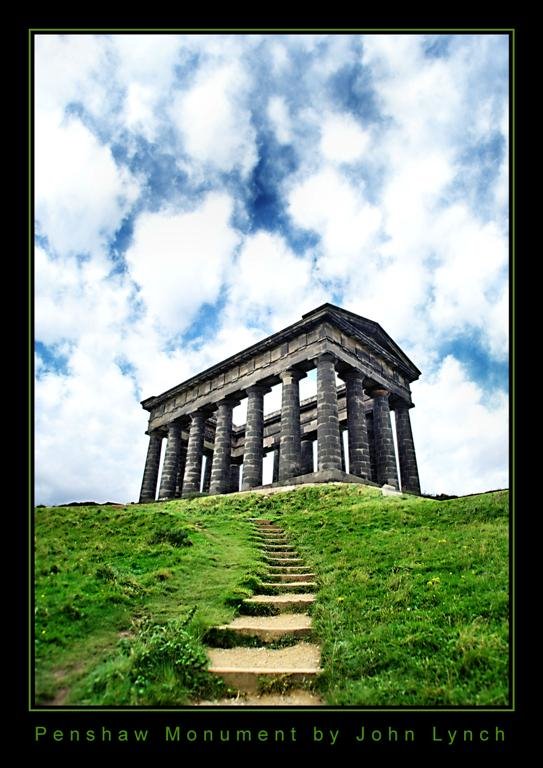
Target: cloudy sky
{"type": "Point", "coordinates": [196, 193]}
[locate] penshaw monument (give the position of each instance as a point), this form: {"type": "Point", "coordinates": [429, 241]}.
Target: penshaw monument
{"type": "Point", "coordinates": [206, 452]}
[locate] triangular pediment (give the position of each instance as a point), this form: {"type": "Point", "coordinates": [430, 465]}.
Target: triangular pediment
{"type": "Point", "coordinates": [368, 332]}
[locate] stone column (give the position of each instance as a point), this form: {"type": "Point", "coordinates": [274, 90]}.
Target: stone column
{"type": "Point", "coordinates": [193, 464]}
{"type": "Point", "coordinates": [220, 468]}
{"type": "Point", "coordinates": [275, 473]}
{"type": "Point", "coordinates": [371, 443]}
{"type": "Point", "coordinates": [290, 449]}
{"type": "Point", "coordinates": [207, 472]}
{"type": "Point", "coordinates": [307, 457]}
{"type": "Point", "coordinates": [409, 472]}
{"type": "Point", "coordinates": [152, 463]}
{"type": "Point", "coordinates": [328, 447]}
{"type": "Point", "coordinates": [181, 469]}
{"type": "Point", "coordinates": [384, 444]}
{"type": "Point", "coordinates": [170, 468]}
{"type": "Point", "coordinates": [234, 478]}
{"type": "Point", "coordinates": [359, 450]}
{"type": "Point", "coordinates": [254, 437]}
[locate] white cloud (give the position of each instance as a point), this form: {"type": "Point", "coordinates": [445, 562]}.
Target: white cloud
{"type": "Point", "coordinates": [179, 260]}
{"type": "Point", "coordinates": [424, 96]}
{"type": "Point", "coordinates": [139, 113]}
{"type": "Point", "coordinates": [279, 56]}
{"type": "Point", "coordinates": [343, 140]}
{"type": "Point", "coordinates": [347, 223]}
{"type": "Point", "coordinates": [280, 119]}
{"type": "Point", "coordinates": [147, 59]}
{"type": "Point", "coordinates": [69, 68]}
{"type": "Point", "coordinates": [470, 277]}
{"type": "Point", "coordinates": [82, 424]}
{"type": "Point", "coordinates": [214, 121]}
{"type": "Point", "coordinates": [81, 193]}
{"type": "Point", "coordinates": [269, 278]}
{"type": "Point", "coordinates": [461, 434]}
{"type": "Point", "coordinates": [146, 72]}
{"type": "Point", "coordinates": [72, 296]}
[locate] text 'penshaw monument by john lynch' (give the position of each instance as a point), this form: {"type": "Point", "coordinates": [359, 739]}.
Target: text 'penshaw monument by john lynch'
{"type": "Point", "coordinates": [206, 452]}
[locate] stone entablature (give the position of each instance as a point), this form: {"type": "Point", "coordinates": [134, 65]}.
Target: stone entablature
{"type": "Point", "coordinates": [196, 415]}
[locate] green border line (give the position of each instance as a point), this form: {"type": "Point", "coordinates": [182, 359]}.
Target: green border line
{"type": "Point", "coordinates": [31, 625]}
{"type": "Point", "coordinates": [512, 420]}
{"type": "Point", "coordinates": [510, 31]}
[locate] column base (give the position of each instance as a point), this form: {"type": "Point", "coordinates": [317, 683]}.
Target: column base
{"type": "Point", "coordinates": [322, 476]}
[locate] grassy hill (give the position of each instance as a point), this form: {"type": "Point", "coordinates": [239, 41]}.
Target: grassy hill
{"type": "Point", "coordinates": [412, 607]}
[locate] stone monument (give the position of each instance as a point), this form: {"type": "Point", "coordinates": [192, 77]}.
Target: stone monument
{"type": "Point", "coordinates": [205, 450]}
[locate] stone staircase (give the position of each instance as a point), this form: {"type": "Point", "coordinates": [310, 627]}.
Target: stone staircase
{"type": "Point", "coordinates": [278, 615]}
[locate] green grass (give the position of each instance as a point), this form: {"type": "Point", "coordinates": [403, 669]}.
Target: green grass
{"type": "Point", "coordinates": [412, 607]}
{"type": "Point", "coordinates": [114, 583]}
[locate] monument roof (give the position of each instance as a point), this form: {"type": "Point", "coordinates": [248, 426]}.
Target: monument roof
{"type": "Point", "coordinates": [367, 331]}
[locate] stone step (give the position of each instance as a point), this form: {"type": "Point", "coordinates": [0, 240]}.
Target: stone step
{"type": "Point", "coordinates": [269, 531]}
{"type": "Point", "coordinates": [294, 697]}
{"type": "Point", "coordinates": [270, 628]}
{"type": "Point", "coordinates": [278, 548]}
{"type": "Point", "coordinates": [284, 560]}
{"type": "Point", "coordinates": [269, 527]}
{"type": "Point", "coordinates": [273, 587]}
{"type": "Point", "coordinates": [283, 603]}
{"type": "Point", "coordinates": [272, 569]}
{"type": "Point", "coordinates": [291, 577]}
{"type": "Point", "coordinates": [247, 668]}
{"type": "Point", "coordinates": [271, 540]}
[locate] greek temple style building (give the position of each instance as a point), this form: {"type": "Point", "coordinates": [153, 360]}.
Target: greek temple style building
{"type": "Point", "coordinates": [206, 452]}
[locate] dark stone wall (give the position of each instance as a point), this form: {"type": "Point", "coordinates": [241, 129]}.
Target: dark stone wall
{"type": "Point", "coordinates": [254, 439]}
{"type": "Point", "coordinates": [290, 455]}
{"type": "Point", "coordinates": [409, 472]}
{"type": "Point", "coordinates": [328, 443]}
{"type": "Point", "coordinates": [220, 468]}
{"type": "Point", "coordinates": [193, 464]}
{"type": "Point", "coordinates": [152, 463]}
{"type": "Point", "coordinates": [384, 442]}
{"type": "Point", "coordinates": [359, 451]}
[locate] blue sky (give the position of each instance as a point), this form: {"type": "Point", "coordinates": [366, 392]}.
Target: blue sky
{"type": "Point", "coordinates": [195, 193]}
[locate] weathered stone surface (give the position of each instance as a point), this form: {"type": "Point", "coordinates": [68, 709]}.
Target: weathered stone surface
{"type": "Point", "coordinates": [371, 444]}
{"type": "Point", "coordinates": [220, 468]}
{"type": "Point", "coordinates": [181, 467]}
{"type": "Point", "coordinates": [290, 457]}
{"type": "Point", "coordinates": [152, 463]}
{"type": "Point", "coordinates": [321, 476]}
{"type": "Point", "coordinates": [409, 472]}
{"type": "Point", "coordinates": [328, 444]}
{"type": "Point", "coordinates": [254, 435]}
{"type": "Point", "coordinates": [384, 444]}
{"type": "Point", "coordinates": [359, 451]}
{"type": "Point", "coordinates": [328, 337]}
{"type": "Point", "coordinates": [170, 468]}
{"type": "Point", "coordinates": [193, 464]}
{"type": "Point", "coordinates": [356, 341]}
{"type": "Point", "coordinates": [275, 473]}
{"type": "Point", "coordinates": [307, 456]}
{"type": "Point", "coordinates": [234, 478]}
